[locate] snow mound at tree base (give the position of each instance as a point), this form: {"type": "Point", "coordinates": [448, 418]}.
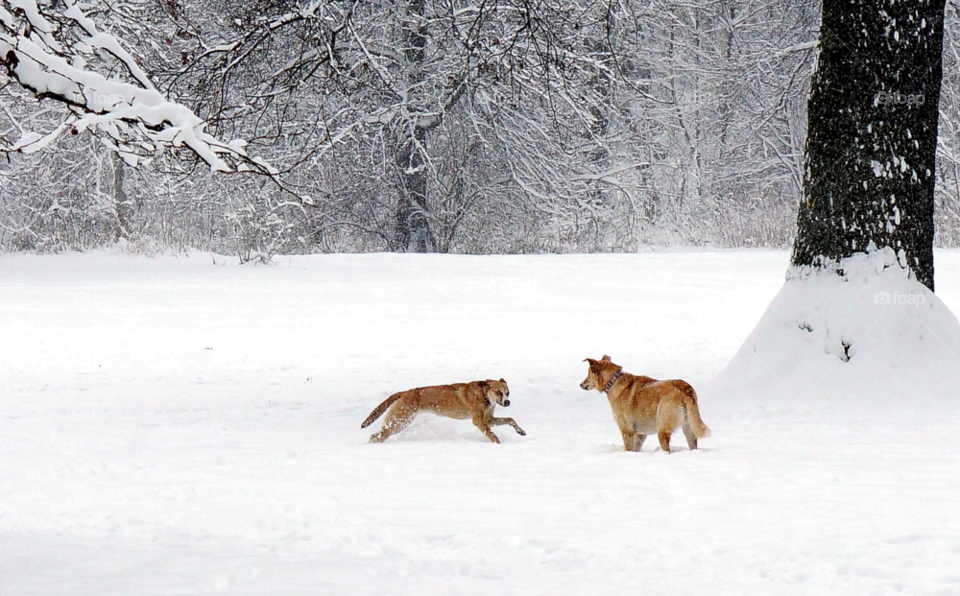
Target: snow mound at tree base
{"type": "Point", "coordinates": [862, 331]}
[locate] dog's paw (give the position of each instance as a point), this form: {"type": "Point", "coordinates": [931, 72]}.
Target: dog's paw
{"type": "Point", "coordinates": [521, 432]}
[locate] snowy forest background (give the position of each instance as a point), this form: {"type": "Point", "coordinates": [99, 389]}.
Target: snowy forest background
{"type": "Point", "coordinates": [450, 126]}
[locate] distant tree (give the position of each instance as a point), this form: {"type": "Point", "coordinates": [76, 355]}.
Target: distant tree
{"type": "Point", "coordinates": [518, 126]}
{"type": "Point", "coordinates": [430, 113]}
{"type": "Point", "coordinates": [872, 134]}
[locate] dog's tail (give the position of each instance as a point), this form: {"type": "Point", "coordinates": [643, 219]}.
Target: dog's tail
{"type": "Point", "coordinates": [379, 410]}
{"type": "Point", "coordinates": [699, 427]}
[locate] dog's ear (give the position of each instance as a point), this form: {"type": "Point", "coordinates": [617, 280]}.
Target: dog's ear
{"type": "Point", "coordinates": [484, 385]}
{"type": "Point", "coordinates": [605, 358]}
{"type": "Point", "coordinates": [594, 366]}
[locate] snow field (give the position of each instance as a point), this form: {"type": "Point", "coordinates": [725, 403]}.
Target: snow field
{"type": "Point", "coordinates": [185, 426]}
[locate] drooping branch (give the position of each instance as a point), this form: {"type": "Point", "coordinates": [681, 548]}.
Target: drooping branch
{"type": "Point", "coordinates": [47, 53]}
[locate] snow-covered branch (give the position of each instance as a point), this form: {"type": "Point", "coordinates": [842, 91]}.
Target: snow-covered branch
{"type": "Point", "coordinates": [50, 54]}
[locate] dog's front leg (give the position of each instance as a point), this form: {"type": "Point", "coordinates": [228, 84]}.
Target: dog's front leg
{"type": "Point", "coordinates": [640, 440]}
{"type": "Point", "coordinates": [511, 422]}
{"type": "Point", "coordinates": [631, 440]}
{"type": "Point", "coordinates": [485, 428]}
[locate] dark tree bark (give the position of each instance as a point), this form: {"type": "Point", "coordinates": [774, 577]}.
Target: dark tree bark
{"type": "Point", "coordinates": [413, 232]}
{"type": "Point", "coordinates": [872, 133]}
{"type": "Point", "coordinates": [120, 201]}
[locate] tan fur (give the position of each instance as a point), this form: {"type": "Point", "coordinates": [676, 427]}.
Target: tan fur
{"type": "Point", "coordinates": [642, 405]}
{"type": "Point", "coordinates": [475, 400]}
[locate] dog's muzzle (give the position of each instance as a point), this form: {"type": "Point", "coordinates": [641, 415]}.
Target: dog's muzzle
{"type": "Point", "coordinates": [584, 386]}
{"type": "Point", "coordinates": [505, 403]}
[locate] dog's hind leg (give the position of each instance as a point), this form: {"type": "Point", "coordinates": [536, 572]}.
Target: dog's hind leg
{"type": "Point", "coordinates": [510, 421]}
{"type": "Point", "coordinates": [664, 437]}
{"type": "Point", "coordinates": [689, 434]}
{"type": "Point", "coordinates": [668, 419]}
{"type": "Point", "coordinates": [398, 418]}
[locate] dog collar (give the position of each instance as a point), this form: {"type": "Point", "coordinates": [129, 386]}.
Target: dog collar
{"type": "Point", "coordinates": [616, 376]}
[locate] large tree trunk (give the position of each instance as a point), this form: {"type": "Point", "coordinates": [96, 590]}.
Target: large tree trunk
{"type": "Point", "coordinates": [412, 231]}
{"type": "Point", "coordinates": [120, 201]}
{"type": "Point", "coordinates": [867, 215]}
{"type": "Point", "coordinates": [872, 134]}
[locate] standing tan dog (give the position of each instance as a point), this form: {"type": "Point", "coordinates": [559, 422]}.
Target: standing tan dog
{"type": "Point", "coordinates": [475, 400]}
{"type": "Point", "coordinates": [642, 405]}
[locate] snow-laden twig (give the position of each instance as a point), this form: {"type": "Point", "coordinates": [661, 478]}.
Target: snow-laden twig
{"type": "Point", "coordinates": [46, 54]}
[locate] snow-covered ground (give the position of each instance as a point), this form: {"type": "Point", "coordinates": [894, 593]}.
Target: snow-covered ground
{"type": "Point", "coordinates": [186, 426]}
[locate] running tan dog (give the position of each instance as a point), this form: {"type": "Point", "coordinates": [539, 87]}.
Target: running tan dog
{"type": "Point", "coordinates": [642, 405]}
{"type": "Point", "coordinates": [475, 400]}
